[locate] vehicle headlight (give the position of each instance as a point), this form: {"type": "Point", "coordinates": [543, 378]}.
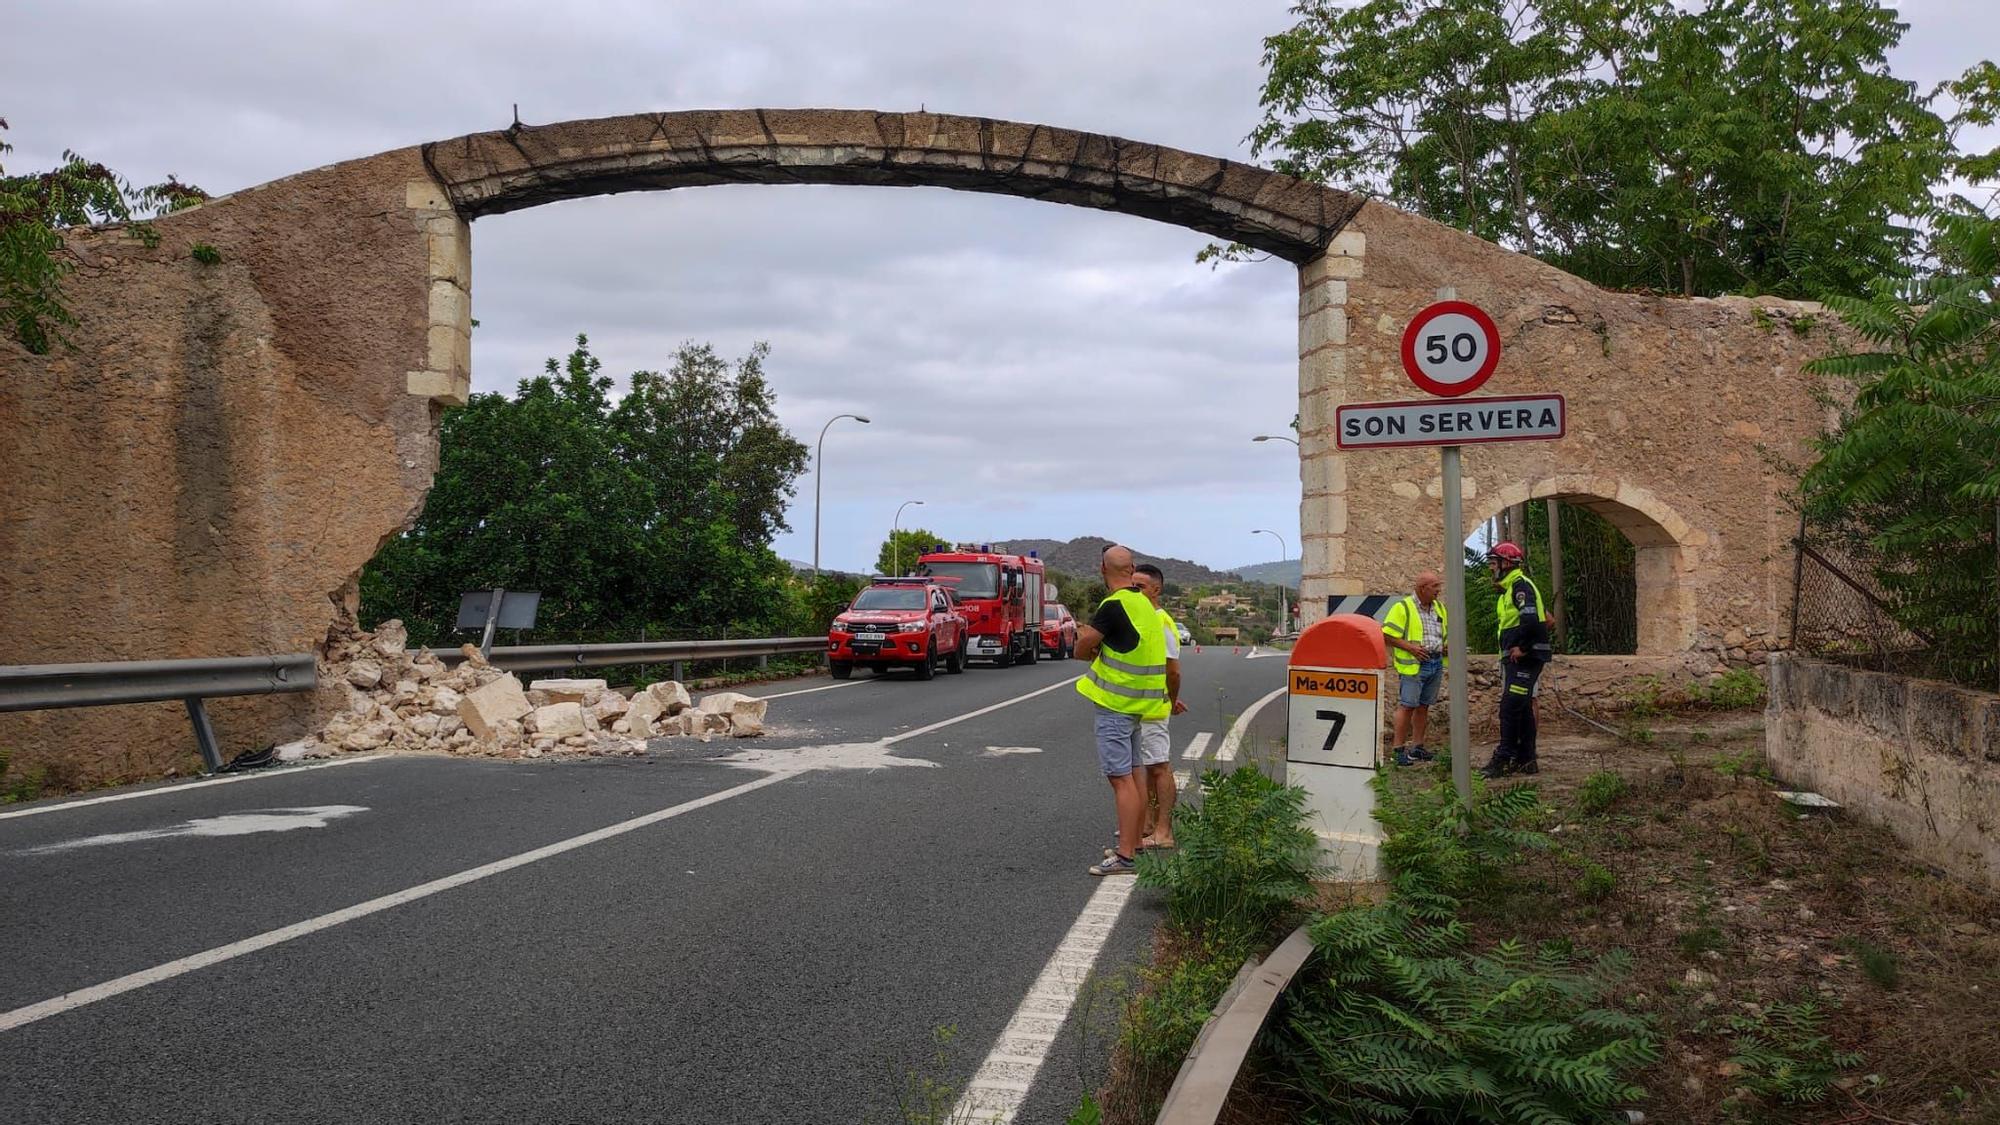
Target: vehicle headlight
{"type": "Point", "coordinates": [914, 627]}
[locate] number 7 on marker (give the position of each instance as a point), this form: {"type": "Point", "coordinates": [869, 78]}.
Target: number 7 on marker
{"type": "Point", "coordinates": [1339, 720]}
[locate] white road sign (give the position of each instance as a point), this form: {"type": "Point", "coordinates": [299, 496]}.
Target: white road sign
{"type": "Point", "coordinates": [1451, 348]}
{"type": "Point", "coordinates": [1466, 421]}
{"type": "Point", "coordinates": [1336, 717]}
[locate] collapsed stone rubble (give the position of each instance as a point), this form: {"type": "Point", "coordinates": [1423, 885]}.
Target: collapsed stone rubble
{"type": "Point", "coordinates": [399, 701]}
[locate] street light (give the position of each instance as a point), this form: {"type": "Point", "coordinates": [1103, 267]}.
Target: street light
{"type": "Point", "coordinates": [1276, 437]}
{"type": "Point", "coordinates": [819, 473]}
{"type": "Point", "coordinates": [1284, 555]}
{"type": "Point", "coordinates": [895, 548]}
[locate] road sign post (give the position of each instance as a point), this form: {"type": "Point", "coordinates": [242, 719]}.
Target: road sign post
{"type": "Point", "coordinates": [1450, 349]}
{"type": "Point", "coordinates": [1334, 730]}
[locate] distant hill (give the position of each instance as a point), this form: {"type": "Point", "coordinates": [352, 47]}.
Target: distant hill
{"type": "Point", "coordinates": [1276, 573]}
{"type": "Point", "coordinates": [1080, 557]}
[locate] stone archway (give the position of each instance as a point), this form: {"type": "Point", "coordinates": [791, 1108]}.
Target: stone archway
{"type": "Point", "coordinates": [1663, 559]}
{"type": "Point", "coordinates": [230, 440]}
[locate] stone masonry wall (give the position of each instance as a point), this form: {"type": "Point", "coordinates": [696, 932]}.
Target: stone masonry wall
{"type": "Point", "coordinates": [1920, 757]}
{"type": "Point", "coordinates": [206, 471]}
{"type": "Point", "coordinates": [1682, 417]}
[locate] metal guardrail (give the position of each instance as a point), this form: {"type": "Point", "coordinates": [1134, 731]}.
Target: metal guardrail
{"type": "Point", "coordinates": [1202, 1087]}
{"type": "Point", "coordinates": [536, 658]}
{"type": "Point", "coordinates": [41, 687]}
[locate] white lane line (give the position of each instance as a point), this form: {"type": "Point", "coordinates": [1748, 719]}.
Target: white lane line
{"type": "Point", "coordinates": [1181, 778]}
{"type": "Point", "coordinates": [893, 739]}
{"type": "Point", "coordinates": [996, 1090]}
{"type": "Point", "coordinates": [1001, 1084]}
{"type": "Point", "coordinates": [1197, 746]}
{"type": "Point", "coordinates": [1234, 743]}
{"type": "Point", "coordinates": [132, 981]}
{"type": "Point", "coordinates": [1255, 655]}
{"type": "Point", "coordinates": [801, 691]}
{"type": "Point", "coordinates": [182, 787]}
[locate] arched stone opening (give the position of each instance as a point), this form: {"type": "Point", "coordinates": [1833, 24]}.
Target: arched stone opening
{"type": "Point", "coordinates": [1664, 609]}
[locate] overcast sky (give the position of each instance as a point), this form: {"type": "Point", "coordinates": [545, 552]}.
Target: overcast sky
{"type": "Point", "coordinates": [1003, 348]}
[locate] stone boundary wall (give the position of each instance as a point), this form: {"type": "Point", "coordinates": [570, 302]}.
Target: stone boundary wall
{"type": "Point", "coordinates": [1917, 756]}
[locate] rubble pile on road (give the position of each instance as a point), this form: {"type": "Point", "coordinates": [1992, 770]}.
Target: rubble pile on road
{"type": "Point", "coordinates": [395, 700]}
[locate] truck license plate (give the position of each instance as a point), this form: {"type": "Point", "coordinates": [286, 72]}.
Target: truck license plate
{"type": "Point", "coordinates": [875, 638]}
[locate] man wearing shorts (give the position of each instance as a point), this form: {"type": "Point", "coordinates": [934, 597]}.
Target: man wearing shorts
{"type": "Point", "coordinates": [1126, 684]}
{"type": "Point", "coordinates": [1414, 630]}
{"type": "Point", "coordinates": [1156, 742]}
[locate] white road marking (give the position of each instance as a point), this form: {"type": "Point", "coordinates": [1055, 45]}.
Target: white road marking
{"type": "Point", "coordinates": [801, 691]}
{"type": "Point", "coordinates": [1006, 751]}
{"type": "Point", "coordinates": [132, 981]}
{"type": "Point", "coordinates": [996, 1090]}
{"type": "Point", "coordinates": [1181, 778]}
{"type": "Point", "coordinates": [1255, 655]}
{"type": "Point", "coordinates": [908, 734]}
{"type": "Point", "coordinates": [182, 787]}
{"type": "Point", "coordinates": [1234, 743]}
{"type": "Point", "coordinates": [229, 824]}
{"type": "Point", "coordinates": [1197, 746]}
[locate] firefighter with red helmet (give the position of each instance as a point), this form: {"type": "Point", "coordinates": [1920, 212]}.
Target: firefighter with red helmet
{"type": "Point", "coordinates": [1524, 651]}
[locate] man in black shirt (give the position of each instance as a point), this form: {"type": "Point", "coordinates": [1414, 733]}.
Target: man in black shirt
{"type": "Point", "coordinates": [1117, 734]}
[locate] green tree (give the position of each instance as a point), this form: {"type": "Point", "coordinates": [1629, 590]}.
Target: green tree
{"type": "Point", "coordinates": [1912, 475]}
{"type": "Point", "coordinates": [653, 515]}
{"type": "Point", "coordinates": [34, 211]}
{"type": "Point", "coordinates": [1734, 146]}
{"type": "Point", "coordinates": [902, 548]}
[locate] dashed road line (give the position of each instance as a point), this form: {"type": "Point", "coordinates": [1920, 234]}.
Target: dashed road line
{"type": "Point", "coordinates": [1197, 746]}
{"type": "Point", "coordinates": [1001, 1084]}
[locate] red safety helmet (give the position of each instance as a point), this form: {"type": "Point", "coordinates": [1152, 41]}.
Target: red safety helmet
{"type": "Point", "coordinates": [1505, 552]}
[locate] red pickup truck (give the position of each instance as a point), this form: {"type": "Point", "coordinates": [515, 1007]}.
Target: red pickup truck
{"type": "Point", "coordinates": [899, 623]}
{"type": "Point", "coordinates": [1058, 631]}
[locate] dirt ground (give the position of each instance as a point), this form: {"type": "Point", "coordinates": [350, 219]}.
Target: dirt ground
{"type": "Point", "coordinates": [1728, 901]}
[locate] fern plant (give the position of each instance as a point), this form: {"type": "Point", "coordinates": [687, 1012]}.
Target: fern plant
{"type": "Point", "coordinates": [1786, 1055]}
{"type": "Point", "coordinates": [1409, 1027]}
{"type": "Point", "coordinates": [1439, 851]}
{"type": "Point", "coordinates": [1246, 857]}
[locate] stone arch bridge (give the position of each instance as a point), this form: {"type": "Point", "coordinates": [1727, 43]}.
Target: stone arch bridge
{"type": "Point", "coordinates": [206, 470]}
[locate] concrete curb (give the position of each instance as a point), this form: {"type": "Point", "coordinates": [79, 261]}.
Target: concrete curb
{"type": "Point", "coordinates": [1206, 1076]}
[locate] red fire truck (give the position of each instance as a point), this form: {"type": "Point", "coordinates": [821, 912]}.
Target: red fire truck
{"type": "Point", "coordinates": [999, 594]}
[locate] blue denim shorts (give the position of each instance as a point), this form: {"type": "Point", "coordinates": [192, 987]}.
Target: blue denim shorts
{"type": "Point", "coordinates": [1421, 690]}
{"type": "Point", "coordinates": [1117, 741]}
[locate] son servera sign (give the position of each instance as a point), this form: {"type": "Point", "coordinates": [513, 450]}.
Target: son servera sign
{"type": "Point", "coordinates": [1464, 421]}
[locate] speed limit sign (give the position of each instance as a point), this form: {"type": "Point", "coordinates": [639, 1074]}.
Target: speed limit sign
{"type": "Point", "coordinates": [1451, 348]}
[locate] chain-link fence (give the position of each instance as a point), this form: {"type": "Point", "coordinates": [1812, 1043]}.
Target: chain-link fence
{"type": "Point", "coordinates": [1842, 612]}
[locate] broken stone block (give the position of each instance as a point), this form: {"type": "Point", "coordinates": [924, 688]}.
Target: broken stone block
{"type": "Point", "coordinates": [622, 726]}
{"type": "Point", "coordinates": [559, 720]}
{"type": "Point", "coordinates": [673, 698]}
{"type": "Point", "coordinates": [569, 691]}
{"type": "Point", "coordinates": [672, 726]}
{"type": "Point", "coordinates": [499, 702]}
{"type": "Point", "coordinates": [364, 674]}
{"type": "Point", "coordinates": [300, 750]}
{"type": "Point", "coordinates": [367, 738]}
{"type": "Point", "coordinates": [745, 713]}
{"type": "Point", "coordinates": [538, 698]}
{"type": "Point", "coordinates": [406, 689]}
{"type": "Point", "coordinates": [424, 726]}
{"type": "Point", "coordinates": [590, 722]}
{"type": "Point", "coordinates": [445, 700]}
{"type": "Point", "coordinates": [609, 706]}
{"type": "Point", "coordinates": [391, 639]}
{"type": "Point", "coordinates": [643, 714]}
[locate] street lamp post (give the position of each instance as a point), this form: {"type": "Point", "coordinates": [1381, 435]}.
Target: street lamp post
{"type": "Point", "coordinates": [895, 548]}
{"type": "Point", "coordinates": [1276, 437]}
{"type": "Point", "coordinates": [819, 475]}
{"type": "Point", "coordinates": [1284, 555]}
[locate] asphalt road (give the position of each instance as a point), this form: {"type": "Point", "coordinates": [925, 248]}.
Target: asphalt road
{"type": "Point", "coordinates": [431, 939]}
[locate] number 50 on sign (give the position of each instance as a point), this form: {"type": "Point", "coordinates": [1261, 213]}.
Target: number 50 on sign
{"type": "Point", "coordinates": [1336, 717]}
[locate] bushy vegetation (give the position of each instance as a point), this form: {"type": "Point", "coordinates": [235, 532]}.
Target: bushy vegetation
{"type": "Point", "coordinates": [1910, 481]}
{"type": "Point", "coordinates": [646, 517]}
{"type": "Point", "coordinates": [1246, 858]}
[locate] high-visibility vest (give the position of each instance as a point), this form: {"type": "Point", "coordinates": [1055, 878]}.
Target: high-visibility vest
{"type": "Point", "coordinates": [1132, 681]}
{"type": "Point", "coordinates": [1508, 615]}
{"type": "Point", "coordinates": [1405, 624]}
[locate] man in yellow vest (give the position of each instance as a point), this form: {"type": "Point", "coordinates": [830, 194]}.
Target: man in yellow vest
{"type": "Point", "coordinates": [1524, 650]}
{"type": "Point", "coordinates": [1126, 684]}
{"type": "Point", "coordinates": [1414, 629]}
{"type": "Point", "coordinates": [1156, 740]}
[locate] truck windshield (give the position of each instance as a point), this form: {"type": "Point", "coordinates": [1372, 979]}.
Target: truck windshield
{"type": "Point", "coordinates": [976, 580]}
{"type": "Point", "coordinates": [892, 597]}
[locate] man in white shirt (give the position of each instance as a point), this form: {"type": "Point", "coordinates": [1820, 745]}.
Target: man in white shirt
{"type": "Point", "coordinates": [1156, 743]}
